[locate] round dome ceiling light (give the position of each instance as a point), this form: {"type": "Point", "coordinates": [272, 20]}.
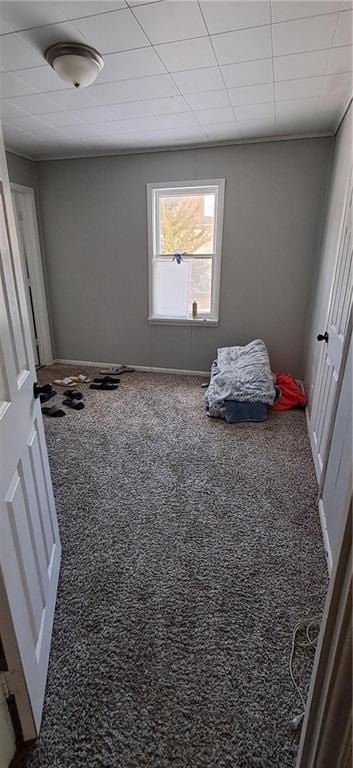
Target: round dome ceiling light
{"type": "Point", "coordinates": [74, 63]}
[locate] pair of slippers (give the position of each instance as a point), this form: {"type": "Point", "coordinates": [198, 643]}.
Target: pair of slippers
{"type": "Point", "coordinates": [72, 381]}
{"type": "Point", "coordinates": [117, 370]}
{"type": "Point", "coordinates": [73, 400]}
{"type": "Point", "coordinates": [107, 383]}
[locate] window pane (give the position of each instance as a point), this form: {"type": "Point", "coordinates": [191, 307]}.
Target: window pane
{"type": "Point", "coordinates": [187, 223]}
{"type": "Point", "coordinates": [200, 284]}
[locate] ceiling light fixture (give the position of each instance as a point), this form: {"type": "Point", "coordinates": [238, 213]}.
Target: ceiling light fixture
{"type": "Point", "coordinates": [74, 63]}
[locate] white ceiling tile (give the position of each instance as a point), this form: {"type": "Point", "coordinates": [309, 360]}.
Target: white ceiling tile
{"type": "Point", "coordinates": [193, 80]}
{"type": "Point", "coordinates": [132, 90]}
{"type": "Point", "coordinates": [341, 83]}
{"type": "Point", "coordinates": [81, 131]}
{"type": "Point", "coordinates": [296, 108]}
{"type": "Point", "coordinates": [131, 109]}
{"type": "Point", "coordinates": [22, 14]}
{"type": "Point", "coordinates": [113, 127]}
{"type": "Point", "coordinates": [344, 30]}
{"type": "Point", "coordinates": [171, 20]}
{"type": "Point", "coordinates": [251, 94]}
{"type": "Point", "coordinates": [42, 37]}
{"type": "Point", "coordinates": [284, 10]}
{"type": "Point", "coordinates": [243, 45]}
{"type": "Point", "coordinates": [306, 88]}
{"type": "Point", "coordinates": [59, 119]}
{"type": "Point", "coordinates": [72, 98]}
{"type": "Point", "coordinates": [183, 120]}
{"type": "Point", "coordinates": [122, 66]}
{"type": "Point", "coordinates": [341, 60]}
{"type": "Point", "coordinates": [168, 106]}
{"type": "Point", "coordinates": [255, 112]}
{"type": "Point", "coordinates": [42, 79]}
{"type": "Point", "coordinates": [208, 99]}
{"type": "Point", "coordinates": [28, 123]}
{"type": "Point", "coordinates": [305, 35]}
{"type": "Point", "coordinates": [78, 9]}
{"type": "Point", "coordinates": [11, 86]}
{"type": "Point", "coordinates": [133, 3]}
{"type": "Point", "coordinates": [34, 103]}
{"type": "Point", "coordinates": [10, 111]}
{"type": "Point", "coordinates": [257, 129]}
{"type": "Point", "coordinates": [187, 54]}
{"type": "Point", "coordinates": [207, 116]}
{"type": "Point", "coordinates": [223, 15]}
{"type": "Point", "coordinates": [332, 108]}
{"type": "Point", "coordinates": [110, 32]}
{"type": "Point", "coordinates": [298, 124]}
{"type": "Point", "coordinates": [222, 131]}
{"type": "Point", "coordinates": [299, 65]}
{"type": "Point", "coordinates": [248, 73]}
{"type": "Point", "coordinates": [15, 53]}
{"type": "Point", "coordinates": [97, 114]}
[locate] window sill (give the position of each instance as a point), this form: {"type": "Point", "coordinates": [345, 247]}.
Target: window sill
{"type": "Point", "coordinates": [178, 321]}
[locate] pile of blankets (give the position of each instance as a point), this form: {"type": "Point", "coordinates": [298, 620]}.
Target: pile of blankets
{"type": "Point", "coordinates": [242, 381]}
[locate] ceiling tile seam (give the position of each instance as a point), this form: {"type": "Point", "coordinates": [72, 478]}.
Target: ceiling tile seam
{"type": "Point", "coordinates": [65, 20]}
{"type": "Point", "coordinates": [273, 70]}
{"type": "Point", "coordinates": [219, 67]}
{"type": "Point", "coordinates": [146, 47]}
{"type": "Point", "coordinates": [169, 73]}
{"type": "Point", "coordinates": [347, 105]}
{"type": "Point", "coordinates": [327, 65]}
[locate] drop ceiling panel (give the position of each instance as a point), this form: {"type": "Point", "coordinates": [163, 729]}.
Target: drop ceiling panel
{"type": "Point", "coordinates": [244, 45]}
{"type": "Point", "coordinates": [304, 35]}
{"type": "Point", "coordinates": [175, 72]}
{"type": "Point", "coordinates": [222, 15]}
{"type": "Point", "coordinates": [248, 73]}
{"type": "Point", "coordinates": [187, 54]}
{"type": "Point", "coordinates": [116, 31]}
{"type": "Point", "coordinates": [208, 99]}
{"type": "Point", "coordinates": [198, 80]}
{"type": "Point", "coordinates": [175, 20]}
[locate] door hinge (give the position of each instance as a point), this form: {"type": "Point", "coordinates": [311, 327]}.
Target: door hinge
{"type": "Point", "coordinates": [9, 682]}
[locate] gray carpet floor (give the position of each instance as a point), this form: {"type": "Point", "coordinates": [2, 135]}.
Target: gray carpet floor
{"type": "Point", "coordinates": [190, 549]}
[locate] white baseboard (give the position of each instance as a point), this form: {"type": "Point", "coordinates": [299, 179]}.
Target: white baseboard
{"type": "Point", "coordinates": [148, 369]}
{"type": "Point", "coordinates": [322, 515]}
{"type": "Point", "coordinates": [325, 537]}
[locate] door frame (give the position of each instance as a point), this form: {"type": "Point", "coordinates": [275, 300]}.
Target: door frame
{"type": "Point", "coordinates": [327, 728]}
{"type": "Point", "coordinates": [35, 267]}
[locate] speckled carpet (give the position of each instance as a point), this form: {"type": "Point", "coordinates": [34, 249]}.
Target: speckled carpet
{"type": "Point", "coordinates": [190, 549]}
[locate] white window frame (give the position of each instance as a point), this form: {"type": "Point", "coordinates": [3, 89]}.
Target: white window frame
{"type": "Point", "coordinates": [208, 186]}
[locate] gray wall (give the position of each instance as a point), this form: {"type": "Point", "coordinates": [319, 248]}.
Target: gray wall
{"type": "Point", "coordinates": [95, 233]}
{"type": "Point", "coordinates": [21, 170]}
{"type": "Point", "coordinates": [327, 252]}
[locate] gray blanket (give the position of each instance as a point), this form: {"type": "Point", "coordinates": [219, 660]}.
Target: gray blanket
{"type": "Point", "coordinates": [240, 373]}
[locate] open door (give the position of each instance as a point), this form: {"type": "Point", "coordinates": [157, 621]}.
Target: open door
{"type": "Point", "coordinates": [334, 339]}
{"type": "Point", "coordinates": [29, 538]}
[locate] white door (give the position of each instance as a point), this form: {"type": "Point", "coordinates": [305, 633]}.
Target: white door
{"type": "Point", "coordinates": [18, 206]}
{"type": "Point", "coordinates": [337, 487]}
{"type": "Point", "coordinates": [29, 538]}
{"type": "Point", "coordinates": [333, 340]}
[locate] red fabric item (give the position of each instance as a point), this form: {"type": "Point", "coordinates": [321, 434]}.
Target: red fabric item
{"type": "Point", "coordinates": [291, 394]}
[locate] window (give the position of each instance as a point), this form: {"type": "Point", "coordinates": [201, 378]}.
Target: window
{"type": "Point", "coordinates": [185, 222]}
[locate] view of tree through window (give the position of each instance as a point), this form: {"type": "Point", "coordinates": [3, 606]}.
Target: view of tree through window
{"type": "Point", "coordinates": [186, 223]}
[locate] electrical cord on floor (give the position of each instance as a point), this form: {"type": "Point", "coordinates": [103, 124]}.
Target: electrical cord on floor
{"type": "Point", "coordinates": [309, 642]}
